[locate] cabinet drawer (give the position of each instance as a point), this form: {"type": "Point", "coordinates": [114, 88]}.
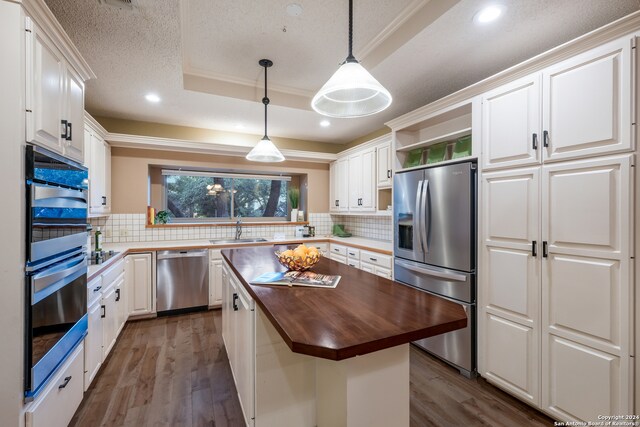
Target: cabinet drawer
{"type": "Point", "coordinates": [320, 246]}
{"type": "Point", "coordinates": [338, 249]}
{"type": "Point", "coordinates": [215, 254]}
{"type": "Point", "coordinates": [112, 273]}
{"type": "Point", "coordinates": [382, 272]}
{"type": "Point", "coordinates": [353, 263]}
{"type": "Point", "coordinates": [62, 396]}
{"type": "Point", "coordinates": [94, 290]}
{"type": "Point", "coordinates": [353, 254]}
{"type": "Point", "coordinates": [376, 259]}
{"type": "Point", "coordinates": [339, 258]}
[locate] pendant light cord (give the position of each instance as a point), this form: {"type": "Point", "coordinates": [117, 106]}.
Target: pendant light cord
{"type": "Point", "coordinates": [265, 101]}
{"type": "Point", "coordinates": [350, 57]}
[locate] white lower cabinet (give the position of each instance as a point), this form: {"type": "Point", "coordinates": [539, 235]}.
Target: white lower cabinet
{"type": "Point", "coordinates": [93, 343]}
{"type": "Point", "coordinates": [371, 262]}
{"type": "Point", "coordinates": [57, 403]}
{"type": "Point", "coordinates": [215, 278]}
{"type": "Point", "coordinates": [556, 286]}
{"type": "Point", "coordinates": [109, 317]}
{"type": "Point", "coordinates": [138, 281]}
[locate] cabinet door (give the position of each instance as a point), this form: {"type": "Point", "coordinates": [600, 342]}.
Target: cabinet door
{"type": "Point", "coordinates": [97, 175]}
{"type": "Point", "coordinates": [45, 89]}
{"type": "Point", "coordinates": [587, 288]}
{"type": "Point", "coordinates": [368, 181]}
{"type": "Point", "coordinates": [74, 114]}
{"type": "Point", "coordinates": [355, 181]}
{"type": "Point", "coordinates": [343, 184]}
{"type": "Point", "coordinates": [384, 165]}
{"type": "Point", "coordinates": [93, 344]}
{"type": "Point", "coordinates": [139, 284]}
{"type": "Point", "coordinates": [511, 124]}
{"type": "Point", "coordinates": [369, 268]}
{"type": "Point", "coordinates": [87, 152]}
{"type": "Point", "coordinates": [121, 304]}
{"type": "Point", "coordinates": [110, 319]}
{"type": "Point", "coordinates": [106, 203]}
{"type": "Point", "coordinates": [215, 283]}
{"type": "Point", "coordinates": [587, 103]}
{"type": "Point", "coordinates": [226, 304]}
{"type": "Point", "coordinates": [245, 351]}
{"type": "Point", "coordinates": [333, 185]}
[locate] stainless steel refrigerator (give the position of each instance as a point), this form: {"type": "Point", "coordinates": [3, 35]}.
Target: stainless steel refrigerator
{"type": "Point", "coordinates": [435, 223]}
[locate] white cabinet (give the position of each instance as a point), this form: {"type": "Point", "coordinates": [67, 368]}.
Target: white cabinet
{"type": "Point", "coordinates": [339, 185]}
{"type": "Point", "coordinates": [93, 341]}
{"type": "Point", "coordinates": [57, 403]}
{"type": "Point", "coordinates": [215, 278]}
{"type": "Point", "coordinates": [556, 285]}
{"type": "Point", "coordinates": [99, 164]}
{"type": "Point", "coordinates": [54, 97]}
{"type": "Point", "coordinates": [362, 181]}
{"type": "Point", "coordinates": [122, 305]}
{"type": "Point", "coordinates": [587, 103]}
{"type": "Point", "coordinates": [577, 108]}
{"type": "Point", "coordinates": [109, 319]}
{"type": "Point", "coordinates": [511, 124]}
{"type": "Point", "coordinates": [371, 262]}
{"type": "Point", "coordinates": [384, 170]}
{"type": "Point", "coordinates": [138, 282]}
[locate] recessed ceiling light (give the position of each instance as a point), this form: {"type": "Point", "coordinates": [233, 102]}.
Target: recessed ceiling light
{"type": "Point", "coordinates": [325, 123]}
{"type": "Point", "coordinates": [294, 9]}
{"type": "Point", "coordinates": [488, 14]}
{"type": "Point", "coordinates": [152, 97]}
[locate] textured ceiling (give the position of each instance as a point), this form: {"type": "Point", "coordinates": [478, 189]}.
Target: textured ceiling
{"type": "Point", "coordinates": [134, 53]}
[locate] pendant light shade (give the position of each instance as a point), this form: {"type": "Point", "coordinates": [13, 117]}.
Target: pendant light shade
{"type": "Point", "coordinates": [265, 150]}
{"type": "Point", "coordinates": [352, 91]}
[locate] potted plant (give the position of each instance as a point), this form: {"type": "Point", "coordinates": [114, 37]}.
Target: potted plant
{"type": "Point", "coordinates": [162, 217]}
{"type": "Point", "coordinates": [294, 199]}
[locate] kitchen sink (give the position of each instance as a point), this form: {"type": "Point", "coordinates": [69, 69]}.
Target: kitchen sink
{"type": "Point", "coordinates": [223, 241]}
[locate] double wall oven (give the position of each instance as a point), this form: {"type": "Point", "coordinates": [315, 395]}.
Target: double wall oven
{"type": "Point", "coordinates": [56, 263]}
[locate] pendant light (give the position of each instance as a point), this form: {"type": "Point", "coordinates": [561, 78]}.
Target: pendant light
{"type": "Point", "coordinates": [352, 91]}
{"type": "Point", "coordinates": [265, 150]}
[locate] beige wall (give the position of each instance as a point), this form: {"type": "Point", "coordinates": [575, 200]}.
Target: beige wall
{"type": "Point", "coordinates": [161, 130]}
{"type": "Point", "coordinates": [130, 176]}
{"type": "Point", "coordinates": [368, 137]}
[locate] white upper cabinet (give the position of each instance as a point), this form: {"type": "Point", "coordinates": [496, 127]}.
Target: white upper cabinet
{"type": "Point", "coordinates": [511, 124]}
{"type": "Point", "coordinates": [339, 185]}
{"type": "Point", "coordinates": [98, 160]}
{"type": "Point", "coordinates": [362, 180]}
{"type": "Point", "coordinates": [45, 89]}
{"type": "Point", "coordinates": [587, 103]}
{"type": "Point", "coordinates": [384, 170]}
{"type": "Point", "coordinates": [54, 97]}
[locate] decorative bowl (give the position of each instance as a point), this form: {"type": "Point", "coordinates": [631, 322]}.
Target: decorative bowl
{"type": "Point", "coordinates": [296, 262]}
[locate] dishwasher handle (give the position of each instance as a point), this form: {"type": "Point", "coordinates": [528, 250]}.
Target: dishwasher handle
{"type": "Point", "coordinates": [182, 254]}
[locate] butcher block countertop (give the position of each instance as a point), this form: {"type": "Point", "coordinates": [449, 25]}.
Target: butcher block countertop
{"type": "Point", "coordinates": [363, 314]}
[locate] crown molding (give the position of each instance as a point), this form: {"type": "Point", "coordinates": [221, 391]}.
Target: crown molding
{"type": "Point", "coordinates": [95, 125]}
{"type": "Point", "coordinates": [625, 26]}
{"type": "Point", "coordinates": [369, 144]}
{"type": "Point", "coordinates": [44, 18]}
{"type": "Point", "coordinates": [168, 144]}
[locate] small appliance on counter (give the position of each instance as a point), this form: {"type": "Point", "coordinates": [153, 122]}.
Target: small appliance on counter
{"type": "Point", "coordinates": [299, 231]}
{"type": "Point", "coordinates": [339, 231]}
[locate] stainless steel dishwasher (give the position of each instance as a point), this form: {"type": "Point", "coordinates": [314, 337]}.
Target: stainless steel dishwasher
{"type": "Point", "coordinates": [182, 280]}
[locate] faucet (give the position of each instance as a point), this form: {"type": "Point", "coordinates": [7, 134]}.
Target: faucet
{"type": "Point", "coordinates": [238, 229]}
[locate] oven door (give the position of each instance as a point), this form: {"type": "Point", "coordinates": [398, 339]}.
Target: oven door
{"type": "Point", "coordinates": [57, 223]}
{"type": "Point", "coordinates": [56, 318]}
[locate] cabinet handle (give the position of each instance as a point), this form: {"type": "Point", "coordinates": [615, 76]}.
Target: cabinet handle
{"type": "Point", "coordinates": [336, 249]}
{"type": "Point", "coordinates": [545, 138]}
{"type": "Point", "coordinates": [388, 173]}
{"type": "Point", "coordinates": [97, 289]}
{"type": "Point", "coordinates": [65, 382]}
{"type": "Point", "coordinates": [235, 302]}
{"type": "Point", "coordinates": [534, 249]}
{"type": "Point", "coordinates": [69, 131]}
{"type": "Point", "coordinates": [373, 259]}
{"type": "Point", "coordinates": [63, 129]}
{"type": "Point", "coordinates": [104, 200]}
{"type": "Point", "coordinates": [545, 249]}
{"type": "Point", "coordinates": [117, 295]}
{"type": "Point", "coordinates": [535, 141]}
{"type": "Point", "coordinates": [104, 311]}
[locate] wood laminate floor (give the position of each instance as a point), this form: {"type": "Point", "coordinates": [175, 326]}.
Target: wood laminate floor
{"type": "Point", "coordinates": [174, 371]}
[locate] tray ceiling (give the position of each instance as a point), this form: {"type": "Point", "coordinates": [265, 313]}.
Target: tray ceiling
{"type": "Point", "coordinates": [200, 56]}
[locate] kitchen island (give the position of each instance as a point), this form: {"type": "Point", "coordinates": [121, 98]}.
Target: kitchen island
{"type": "Point", "coordinates": [327, 357]}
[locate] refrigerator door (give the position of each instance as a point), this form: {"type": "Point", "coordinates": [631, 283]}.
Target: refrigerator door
{"type": "Point", "coordinates": [408, 222]}
{"type": "Point", "coordinates": [449, 214]}
{"type": "Point", "coordinates": [454, 284]}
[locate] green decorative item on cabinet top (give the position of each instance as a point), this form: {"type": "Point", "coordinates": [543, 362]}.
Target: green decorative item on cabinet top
{"type": "Point", "coordinates": [414, 158]}
{"type": "Point", "coordinates": [436, 153]}
{"type": "Point", "coordinates": [462, 148]}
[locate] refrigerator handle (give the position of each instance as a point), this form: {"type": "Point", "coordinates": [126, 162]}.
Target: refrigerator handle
{"type": "Point", "coordinates": [456, 277]}
{"type": "Point", "coordinates": [417, 218]}
{"type": "Point", "coordinates": [423, 216]}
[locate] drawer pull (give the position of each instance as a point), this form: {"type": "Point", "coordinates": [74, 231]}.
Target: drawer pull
{"type": "Point", "coordinates": [117, 295]}
{"type": "Point", "coordinates": [336, 249]}
{"type": "Point", "coordinates": [65, 382]}
{"type": "Point", "coordinates": [373, 259]}
{"type": "Point", "coordinates": [352, 253]}
{"type": "Point", "coordinates": [97, 289]}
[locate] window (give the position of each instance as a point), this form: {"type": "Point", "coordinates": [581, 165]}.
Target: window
{"type": "Point", "coordinates": [220, 196]}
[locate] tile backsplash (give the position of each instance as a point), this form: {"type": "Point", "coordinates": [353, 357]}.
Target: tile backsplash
{"type": "Point", "coordinates": [121, 228]}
